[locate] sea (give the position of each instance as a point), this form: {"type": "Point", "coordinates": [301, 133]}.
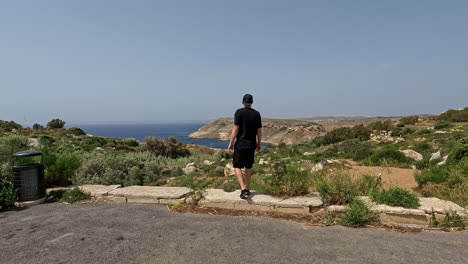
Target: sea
{"type": "Point", "coordinates": [140, 131]}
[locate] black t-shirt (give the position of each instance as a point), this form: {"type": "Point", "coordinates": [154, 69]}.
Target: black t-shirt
{"type": "Point", "coordinates": [249, 121]}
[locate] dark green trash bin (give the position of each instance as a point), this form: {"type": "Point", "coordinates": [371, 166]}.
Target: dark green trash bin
{"type": "Point", "coordinates": [29, 178]}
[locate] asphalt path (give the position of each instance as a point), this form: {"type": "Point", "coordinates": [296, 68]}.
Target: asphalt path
{"type": "Point", "coordinates": [144, 233]}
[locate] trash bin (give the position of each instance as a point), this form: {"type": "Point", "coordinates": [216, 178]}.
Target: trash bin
{"type": "Point", "coordinates": [29, 178]}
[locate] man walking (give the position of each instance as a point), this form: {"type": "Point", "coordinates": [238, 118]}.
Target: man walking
{"type": "Point", "coordinates": [247, 132]}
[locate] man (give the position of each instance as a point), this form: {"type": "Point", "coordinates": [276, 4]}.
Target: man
{"type": "Point", "coordinates": [247, 132]}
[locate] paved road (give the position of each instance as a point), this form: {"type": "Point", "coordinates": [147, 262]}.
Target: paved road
{"type": "Point", "coordinates": [139, 233]}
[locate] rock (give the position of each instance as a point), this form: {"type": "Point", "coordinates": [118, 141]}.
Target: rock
{"type": "Point", "coordinates": [444, 160]}
{"type": "Point", "coordinates": [99, 149]}
{"type": "Point", "coordinates": [263, 161]}
{"type": "Point", "coordinates": [317, 167]}
{"type": "Point", "coordinates": [191, 168]}
{"type": "Point", "coordinates": [412, 154]}
{"type": "Point", "coordinates": [219, 169]}
{"type": "Point", "coordinates": [435, 155]}
{"type": "Point", "coordinates": [229, 170]}
{"type": "Point", "coordinates": [308, 153]}
{"type": "Point", "coordinates": [33, 143]}
{"type": "Point", "coordinates": [208, 162]}
{"type": "Point", "coordinates": [413, 167]}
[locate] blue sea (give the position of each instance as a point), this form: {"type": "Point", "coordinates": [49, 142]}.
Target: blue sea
{"type": "Point", "coordinates": [139, 132]}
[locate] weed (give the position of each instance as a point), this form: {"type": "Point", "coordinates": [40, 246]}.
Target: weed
{"type": "Point", "coordinates": [396, 197]}
{"type": "Point", "coordinates": [357, 214]}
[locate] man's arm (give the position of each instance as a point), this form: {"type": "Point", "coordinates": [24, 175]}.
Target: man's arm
{"type": "Point", "coordinates": [235, 130]}
{"type": "Point", "coordinates": [259, 139]}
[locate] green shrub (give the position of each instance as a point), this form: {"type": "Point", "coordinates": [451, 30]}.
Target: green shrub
{"type": "Point", "coordinates": [56, 123]}
{"type": "Point", "coordinates": [451, 219]}
{"type": "Point", "coordinates": [434, 175]}
{"type": "Point", "coordinates": [454, 115]}
{"type": "Point", "coordinates": [400, 125]}
{"type": "Point", "coordinates": [9, 125]}
{"type": "Point", "coordinates": [350, 149]}
{"type": "Point", "coordinates": [74, 195]}
{"type": "Point", "coordinates": [62, 170]}
{"type": "Point", "coordinates": [409, 120]}
{"type": "Point", "coordinates": [396, 197]}
{"type": "Point", "coordinates": [388, 156]}
{"type": "Point", "coordinates": [170, 147]}
{"type": "Point", "coordinates": [11, 144]}
{"type": "Point", "coordinates": [76, 131]}
{"type": "Point", "coordinates": [423, 147]}
{"type": "Point", "coordinates": [458, 150]}
{"type": "Point", "coordinates": [288, 180]}
{"type": "Point", "coordinates": [424, 131]}
{"type": "Point", "coordinates": [8, 194]}
{"type": "Point", "coordinates": [442, 125]}
{"type": "Point", "coordinates": [399, 132]}
{"type": "Point", "coordinates": [131, 142]}
{"type": "Point", "coordinates": [381, 126]}
{"type": "Point", "coordinates": [357, 214]}
{"type": "Point", "coordinates": [38, 127]}
{"type": "Point", "coordinates": [341, 188]}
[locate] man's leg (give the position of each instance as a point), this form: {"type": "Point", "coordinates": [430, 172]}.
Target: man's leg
{"type": "Point", "coordinates": [248, 175]}
{"type": "Point", "coordinates": [240, 178]}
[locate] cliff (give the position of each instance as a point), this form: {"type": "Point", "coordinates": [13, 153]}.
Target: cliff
{"type": "Point", "coordinates": [289, 131]}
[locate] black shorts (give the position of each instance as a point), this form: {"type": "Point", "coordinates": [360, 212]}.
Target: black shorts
{"type": "Point", "coordinates": [243, 158]}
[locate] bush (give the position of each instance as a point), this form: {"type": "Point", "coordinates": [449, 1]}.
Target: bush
{"type": "Point", "coordinates": [343, 133]}
{"type": "Point", "coordinates": [458, 150]}
{"type": "Point", "coordinates": [388, 156]}
{"type": "Point", "coordinates": [131, 142]}
{"type": "Point", "coordinates": [400, 125]}
{"type": "Point", "coordinates": [451, 219]}
{"type": "Point", "coordinates": [8, 194]}
{"type": "Point", "coordinates": [381, 126]}
{"type": "Point", "coordinates": [61, 171]}
{"type": "Point", "coordinates": [423, 147]}
{"type": "Point", "coordinates": [442, 125]}
{"type": "Point", "coordinates": [170, 147]}
{"type": "Point", "coordinates": [434, 175]}
{"type": "Point", "coordinates": [341, 188]}
{"type": "Point", "coordinates": [288, 180]}
{"type": "Point", "coordinates": [56, 123]}
{"type": "Point", "coordinates": [38, 127]}
{"type": "Point", "coordinates": [409, 120]}
{"type": "Point", "coordinates": [454, 115]}
{"type": "Point", "coordinates": [69, 196]}
{"type": "Point", "coordinates": [9, 125]}
{"type": "Point", "coordinates": [352, 149]}
{"type": "Point", "coordinates": [10, 145]}
{"type": "Point", "coordinates": [76, 131]}
{"type": "Point", "coordinates": [357, 214]}
{"type": "Point", "coordinates": [396, 197]}
{"type": "Point", "coordinates": [399, 132]}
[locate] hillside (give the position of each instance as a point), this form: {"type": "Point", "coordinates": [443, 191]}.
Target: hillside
{"type": "Point", "coordinates": [289, 131]}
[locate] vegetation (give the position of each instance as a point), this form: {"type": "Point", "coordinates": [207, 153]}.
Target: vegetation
{"type": "Point", "coordinates": [451, 219]}
{"type": "Point", "coordinates": [76, 131]}
{"type": "Point", "coordinates": [8, 194]}
{"type": "Point", "coordinates": [288, 180]}
{"type": "Point", "coordinates": [170, 147]}
{"type": "Point", "coordinates": [454, 115]}
{"type": "Point", "coordinates": [343, 133]}
{"type": "Point", "coordinates": [396, 197]}
{"type": "Point", "coordinates": [68, 196]}
{"type": "Point", "coordinates": [381, 126]}
{"type": "Point", "coordinates": [38, 127]}
{"type": "Point", "coordinates": [342, 188]}
{"type": "Point", "coordinates": [409, 120]}
{"type": "Point", "coordinates": [56, 123]}
{"type": "Point", "coordinates": [357, 214]}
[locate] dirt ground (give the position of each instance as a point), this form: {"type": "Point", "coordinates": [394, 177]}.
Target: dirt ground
{"type": "Point", "coordinates": [391, 177]}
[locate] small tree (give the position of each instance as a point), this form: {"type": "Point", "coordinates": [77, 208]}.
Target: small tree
{"type": "Point", "coordinates": [56, 123]}
{"type": "Point", "coordinates": [76, 131]}
{"type": "Point", "coordinates": [38, 126]}
{"type": "Point", "coordinates": [409, 120]}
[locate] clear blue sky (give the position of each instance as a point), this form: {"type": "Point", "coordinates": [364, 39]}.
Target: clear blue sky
{"type": "Point", "coordinates": [152, 61]}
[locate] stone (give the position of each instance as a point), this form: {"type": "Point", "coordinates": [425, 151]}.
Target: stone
{"type": "Point", "coordinates": [435, 155]}
{"type": "Point", "coordinates": [407, 219]}
{"type": "Point", "coordinates": [99, 149]}
{"type": "Point", "coordinates": [229, 170]}
{"type": "Point", "coordinates": [436, 205]}
{"type": "Point", "coordinates": [263, 199]}
{"type": "Point", "coordinates": [204, 203]}
{"type": "Point", "coordinates": [208, 162]}
{"type": "Point", "coordinates": [336, 208]}
{"type": "Point", "coordinates": [33, 142]}
{"type": "Point", "coordinates": [253, 207]}
{"type": "Point", "coordinates": [444, 161]}
{"type": "Point", "coordinates": [294, 210]}
{"type": "Point", "coordinates": [317, 167]}
{"type": "Point", "coordinates": [98, 190]}
{"type": "Point", "coordinates": [262, 161]}
{"type": "Point", "coordinates": [409, 153]}
{"type": "Point", "coordinates": [308, 153]}
{"type": "Point", "coordinates": [192, 168]}
{"type": "Point", "coordinates": [112, 199]}
{"type": "Point", "coordinates": [301, 201]}
{"type": "Point", "coordinates": [151, 192]}
{"type": "Point", "coordinates": [220, 196]}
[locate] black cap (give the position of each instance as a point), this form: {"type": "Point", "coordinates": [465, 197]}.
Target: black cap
{"type": "Point", "coordinates": [248, 99]}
